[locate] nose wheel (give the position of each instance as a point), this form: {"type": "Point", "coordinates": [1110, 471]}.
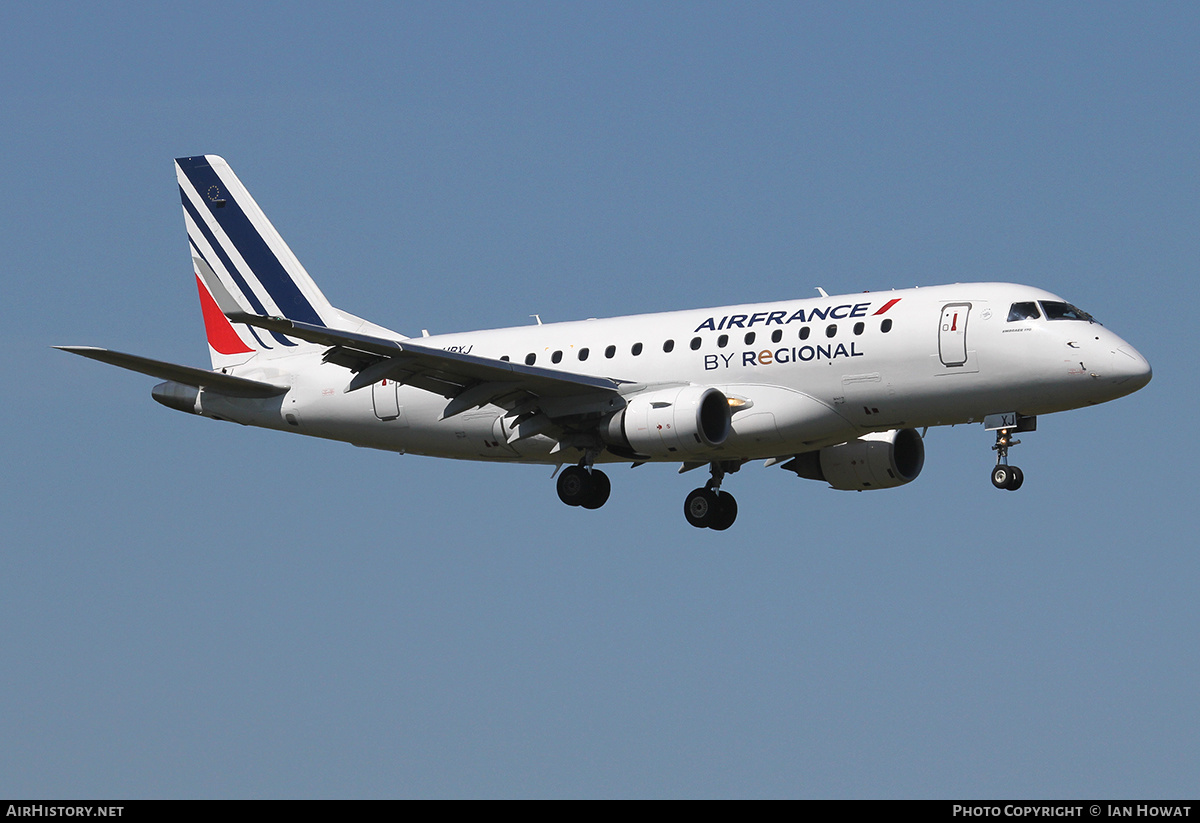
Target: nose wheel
{"type": "Point", "coordinates": [1005, 476]}
{"type": "Point", "coordinates": [709, 507]}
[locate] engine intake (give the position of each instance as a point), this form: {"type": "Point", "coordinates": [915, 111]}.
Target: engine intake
{"type": "Point", "coordinates": [684, 420]}
{"type": "Point", "coordinates": [881, 460]}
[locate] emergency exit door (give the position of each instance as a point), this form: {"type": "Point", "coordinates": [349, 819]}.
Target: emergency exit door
{"type": "Point", "coordinates": [387, 402]}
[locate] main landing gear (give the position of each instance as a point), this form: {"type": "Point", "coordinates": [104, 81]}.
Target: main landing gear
{"type": "Point", "coordinates": [1005, 476]}
{"type": "Point", "coordinates": [583, 486]}
{"type": "Point", "coordinates": [705, 508]}
{"type": "Point", "coordinates": [709, 507]}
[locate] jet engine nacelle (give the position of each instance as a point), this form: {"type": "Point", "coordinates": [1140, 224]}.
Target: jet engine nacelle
{"type": "Point", "coordinates": [881, 460]}
{"type": "Point", "coordinates": [666, 422]}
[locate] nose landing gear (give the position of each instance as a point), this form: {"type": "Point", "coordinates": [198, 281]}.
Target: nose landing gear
{"type": "Point", "coordinates": [1005, 476]}
{"type": "Point", "coordinates": [709, 507]}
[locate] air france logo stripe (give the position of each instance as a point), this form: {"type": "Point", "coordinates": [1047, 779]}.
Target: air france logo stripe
{"type": "Point", "coordinates": [221, 335]}
{"type": "Point", "coordinates": [215, 245]}
{"type": "Point", "coordinates": [227, 263]}
{"type": "Point", "coordinates": [253, 332]}
{"type": "Point", "coordinates": [263, 263]}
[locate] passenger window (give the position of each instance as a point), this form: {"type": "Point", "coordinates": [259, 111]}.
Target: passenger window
{"type": "Point", "coordinates": [804, 332]}
{"type": "Point", "coordinates": [886, 326]}
{"type": "Point", "coordinates": [583, 354]}
{"type": "Point", "coordinates": [695, 344]}
{"type": "Point", "coordinates": [530, 359]}
{"type": "Point", "coordinates": [749, 338]}
{"type": "Point", "coordinates": [722, 341]}
{"type": "Point", "coordinates": [1023, 311]}
{"type": "Point", "coordinates": [831, 330]}
{"type": "Point", "coordinates": [776, 335]}
{"type": "Point", "coordinates": [669, 346]}
{"type": "Point", "coordinates": [637, 349]}
{"type": "Point", "coordinates": [858, 328]}
{"type": "Point", "coordinates": [504, 357]}
{"type": "Point", "coordinates": [610, 352]}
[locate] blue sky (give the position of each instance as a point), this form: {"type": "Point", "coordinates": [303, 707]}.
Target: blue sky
{"type": "Point", "coordinates": [193, 609]}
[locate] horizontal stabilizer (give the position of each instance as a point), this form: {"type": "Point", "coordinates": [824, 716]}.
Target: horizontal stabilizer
{"type": "Point", "coordinates": [187, 375]}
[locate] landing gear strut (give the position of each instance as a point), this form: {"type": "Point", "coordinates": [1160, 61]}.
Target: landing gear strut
{"type": "Point", "coordinates": [1005, 476]}
{"type": "Point", "coordinates": [709, 507]}
{"type": "Point", "coordinates": [583, 486]}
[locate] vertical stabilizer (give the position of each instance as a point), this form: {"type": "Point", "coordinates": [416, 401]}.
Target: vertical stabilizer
{"type": "Point", "coordinates": [242, 265]}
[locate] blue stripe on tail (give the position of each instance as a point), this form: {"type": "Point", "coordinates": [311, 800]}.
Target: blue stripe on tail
{"type": "Point", "coordinates": [246, 239]}
{"type": "Point", "coordinates": [229, 266]}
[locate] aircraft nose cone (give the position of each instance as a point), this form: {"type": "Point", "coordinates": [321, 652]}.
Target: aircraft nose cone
{"type": "Point", "coordinates": [1130, 370]}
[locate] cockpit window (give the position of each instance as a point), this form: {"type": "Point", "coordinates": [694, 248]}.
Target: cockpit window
{"type": "Point", "coordinates": [1023, 311]}
{"type": "Point", "coordinates": [1065, 311]}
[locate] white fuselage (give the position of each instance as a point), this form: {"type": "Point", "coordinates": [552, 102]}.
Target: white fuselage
{"type": "Point", "coordinates": [800, 374]}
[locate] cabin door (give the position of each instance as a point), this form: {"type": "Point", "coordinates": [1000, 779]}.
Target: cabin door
{"type": "Point", "coordinates": [952, 334]}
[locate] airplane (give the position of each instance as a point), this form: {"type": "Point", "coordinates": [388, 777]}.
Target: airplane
{"type": "Point", "coordinates": [833, 388]}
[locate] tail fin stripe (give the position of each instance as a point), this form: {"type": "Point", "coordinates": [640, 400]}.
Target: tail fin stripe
{"type": "Point", "coordinates": [220, 333]}
{"type": "Point", "coordinates": [228, 265]}
{"type": "Point", "coordinates": [226, 262]}
{"type": "Point", "coordinates": [216, 288]}
{"type": "Point", "coordinates": [259, 340]}
{"type": "Point", "coordinates": [248, 241]}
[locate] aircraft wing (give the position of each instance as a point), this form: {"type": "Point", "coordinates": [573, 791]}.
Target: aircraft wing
{"type": "Point", "coordinates": [187, 375]}
{"type": "Point", "coordinates": [466, 380]}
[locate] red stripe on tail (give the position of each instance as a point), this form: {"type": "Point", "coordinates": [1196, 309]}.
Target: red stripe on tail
{"type": "Point", "coordinates": [221, 335]}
